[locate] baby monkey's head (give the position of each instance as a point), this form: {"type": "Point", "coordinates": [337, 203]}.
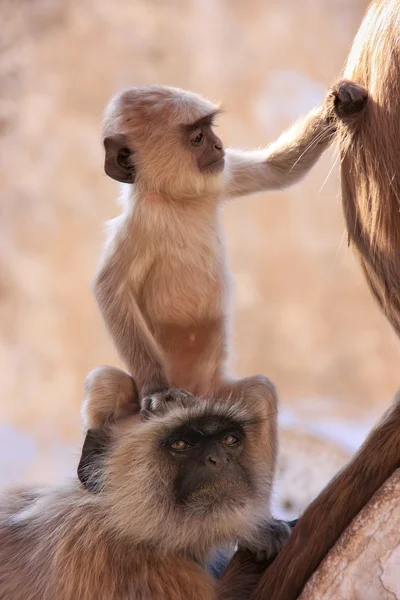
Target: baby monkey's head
{"type": "Point", "coordinates": [196, 477]}
{"type": "Point", "coordinates": [162, 140]}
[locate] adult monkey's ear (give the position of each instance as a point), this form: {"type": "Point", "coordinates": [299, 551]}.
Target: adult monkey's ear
{"type": "Point", "coordinates": [89, 468]}
{"type": "Point", "coordinates": [118, 162]}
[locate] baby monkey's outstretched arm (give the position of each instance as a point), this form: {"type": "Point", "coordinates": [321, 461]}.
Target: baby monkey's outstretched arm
{"type": "Point", "coordinates": [293, 154]}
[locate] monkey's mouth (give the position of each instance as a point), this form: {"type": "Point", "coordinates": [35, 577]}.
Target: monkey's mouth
{"type": "Point", "coordinates": [216, 165]}
{"type": "Point", "coordinates": [224, 489]}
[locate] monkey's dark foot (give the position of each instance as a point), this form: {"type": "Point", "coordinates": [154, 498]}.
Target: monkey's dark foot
{"type": "Point", "coordinates": [271, 538]}
{"type": "Point", "coordinates": [161, 402]}
{"type": "Point", "coordinates": [348, 98]}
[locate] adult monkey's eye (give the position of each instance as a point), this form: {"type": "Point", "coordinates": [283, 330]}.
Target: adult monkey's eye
{"type": "Point", "coordinates": [230, 440]}
{"type": "Point", "coordinates": [197, 140]}
{"type": "Point", "coordinates": [179, 445]}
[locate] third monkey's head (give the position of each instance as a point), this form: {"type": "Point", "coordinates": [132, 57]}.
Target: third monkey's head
{"type": "Point", "coordinates": [194, 478]}
{"type": "Point", "coordinates": [162, 139]}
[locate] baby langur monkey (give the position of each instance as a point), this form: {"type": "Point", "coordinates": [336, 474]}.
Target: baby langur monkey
{"type": "Point", "coordinates": [157, 497]}
{"type": "Point", "coordinates": [163, 285]}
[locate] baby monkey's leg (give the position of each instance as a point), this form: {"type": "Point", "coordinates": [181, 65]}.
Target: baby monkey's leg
{"type": "Point", "coordinates": [257, 389]}
{"type": "Point", "coordinates": [110, 394]}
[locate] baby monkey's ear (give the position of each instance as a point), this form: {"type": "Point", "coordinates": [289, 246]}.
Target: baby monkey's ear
{"type": "Point", "coordinates": [119, 163]}
{"type": "Point", "coordinates": [89, 471]}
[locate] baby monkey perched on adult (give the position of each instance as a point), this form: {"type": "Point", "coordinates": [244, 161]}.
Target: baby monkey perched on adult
{"type": "Point", "coordinates": [164, 283]}
{"type": "Point", "coordinates": [157, 497]}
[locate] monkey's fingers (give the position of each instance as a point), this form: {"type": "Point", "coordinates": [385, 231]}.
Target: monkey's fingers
{"type": "Point", "coordinates": [272, 536]}
{"type": "Point", "coordinates": [159, 403]}
{"type": "Point", "coordinates": [348, 98]}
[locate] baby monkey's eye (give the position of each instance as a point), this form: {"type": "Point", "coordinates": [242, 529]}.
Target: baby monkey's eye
{"type": "Point", "coordinates": [197, 140]}
{"type": "Point", "coordinates": [179, 445]}
{"type": "Point", "coordinates": [230, 440]}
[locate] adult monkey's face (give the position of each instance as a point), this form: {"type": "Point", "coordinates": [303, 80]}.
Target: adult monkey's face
{"type": "Point", "coordinates": [207, 456]}
{"type": "Point", "coordinates": [193, 478]}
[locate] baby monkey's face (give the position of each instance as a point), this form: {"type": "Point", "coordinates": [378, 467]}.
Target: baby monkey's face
{"type": "Point", "coordinates": [207, 149]}
{"type": "Point", "coordinates": [206, 455]}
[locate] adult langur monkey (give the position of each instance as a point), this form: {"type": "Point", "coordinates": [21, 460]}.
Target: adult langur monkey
{"type": "Point", "coordinates": [370, 174]}
{"type": "Point", "coordinates": [157, 496]}
{"type": "Point", "coordinates": [163, 285]}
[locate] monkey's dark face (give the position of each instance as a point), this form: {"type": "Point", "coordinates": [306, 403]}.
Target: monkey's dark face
{"type": "Point", "coordinates": [204, 145]}
{"type": "Point", "coordinates": [207, 457]}
{"type": "Point", "coordinates": [190, 479]}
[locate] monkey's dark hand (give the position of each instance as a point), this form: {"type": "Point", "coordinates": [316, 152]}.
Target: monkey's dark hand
{"type": "Point", "coordinates": [269, 540]}
{"type": "Point", "coordinates": [346, 99]}
{"type": "Point", "coordinates": [161, 402]}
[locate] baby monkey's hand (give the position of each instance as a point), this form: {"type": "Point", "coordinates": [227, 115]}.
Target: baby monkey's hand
{"type": "Point", "coordinates": [346, 99]}
{"type": "Point", "coordinates": [159, 403]}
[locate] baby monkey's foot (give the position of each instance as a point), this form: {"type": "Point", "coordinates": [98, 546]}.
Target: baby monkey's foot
{"type": "Point", "coordinates": [161, 402]}
{"type": "Point", "coordinates": [347, 98]}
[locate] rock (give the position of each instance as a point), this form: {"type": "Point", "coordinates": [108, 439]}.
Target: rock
{"type": "Point", "coordinates": [365, 562]}
{"type": "Point", "coordinates": [306, 464]}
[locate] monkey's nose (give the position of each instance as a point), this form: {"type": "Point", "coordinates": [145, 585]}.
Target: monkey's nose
{"type": "Point", "coordinates": [216, 461]}
{"type": "Point", "coordinates": [218, 145]}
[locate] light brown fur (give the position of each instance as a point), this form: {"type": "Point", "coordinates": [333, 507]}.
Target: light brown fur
{"type": "Point", "coordinates": [370, 175]}
{"type": "Point", "coordinates": [164, 284]}
{"type": "Point", "coordinates": [131, 540]}
{"type": "Point", "coordinates": [370, 152]}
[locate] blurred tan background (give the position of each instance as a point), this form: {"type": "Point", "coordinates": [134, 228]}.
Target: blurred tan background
{"type": "Point", "coordinates": [303, 314]}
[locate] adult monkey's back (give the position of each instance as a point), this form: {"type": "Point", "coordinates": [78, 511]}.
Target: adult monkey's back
{"type": "Point", "coordinates": [370, 172]}
{"type": "Point", "coordinates": [371, 201]}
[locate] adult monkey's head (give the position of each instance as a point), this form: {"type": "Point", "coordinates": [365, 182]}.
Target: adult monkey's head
{"type": "Point", "coordinates": [197, 477]}
{"type": "Point", "coordinates": [162, 139]}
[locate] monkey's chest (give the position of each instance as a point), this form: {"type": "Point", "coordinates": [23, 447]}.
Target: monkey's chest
{"type": "Point", "coordinates": [186, 310]}
{"type": "Point", "coordinates": [185, 292]}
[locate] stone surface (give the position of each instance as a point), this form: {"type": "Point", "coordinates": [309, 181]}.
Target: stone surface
{"type": "Point", "coordinates": [365, 562]}
{"type": "Point", "coordinates": [305, 462]}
